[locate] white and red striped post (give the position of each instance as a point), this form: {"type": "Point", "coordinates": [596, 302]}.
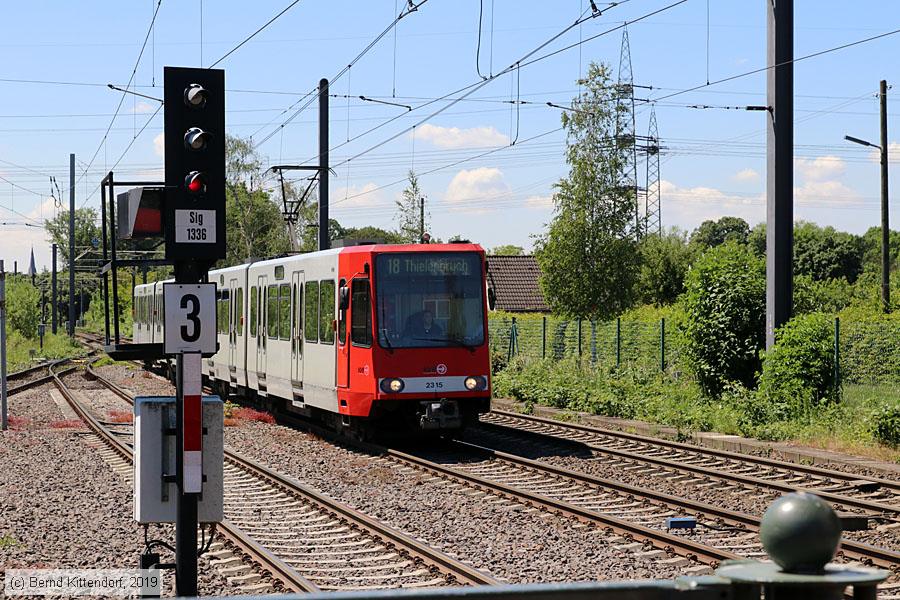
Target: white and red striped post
{"type": "Point", "coordinates": [192, 437]}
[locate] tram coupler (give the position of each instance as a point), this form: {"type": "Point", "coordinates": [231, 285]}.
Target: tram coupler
{"type": "Point", "coordinates": [440, 414]}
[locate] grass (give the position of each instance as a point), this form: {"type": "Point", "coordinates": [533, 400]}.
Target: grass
{"type": "Point", "coordinates": [8, 541]}
{"type": "Point", "coordinates": [22, 352]}
{"type": "Point", "coordinates": [659, 398]}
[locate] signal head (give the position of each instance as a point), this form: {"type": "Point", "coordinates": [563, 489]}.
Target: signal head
{"type": "Point", "coordinates": [196, 139]}
{"type": "Point", "coordinates": [195, 96]}
{"type": "Point", "coordinates": [195, 182]}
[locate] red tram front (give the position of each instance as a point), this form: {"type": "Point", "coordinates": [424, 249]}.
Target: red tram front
{"type": "Point", "coordinates": [412, 335]}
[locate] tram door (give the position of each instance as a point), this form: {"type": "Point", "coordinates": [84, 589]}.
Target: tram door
{"type": "Point", "coordinates": [236, 306]}
{"type": "Point", "coordinates": [297, 281]}
{"type": "Point", "coordinates": [261, 328]}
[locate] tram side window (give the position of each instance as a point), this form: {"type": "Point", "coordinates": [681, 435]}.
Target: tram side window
{"type": "Point", "coordinates": [284, 312]}
{"type": "Point", "coordinates": [311, 312]}
{"type": "Point", "coordinates": [253, 307]}
{"type": "Point", "coordinates": [239, 312]}
{"type": "Point", "coordinates": [272, 312]}
{"type": "Point", "coordinates": [360, 313]}
{"type": "Point", "coordinates": [326, 311]}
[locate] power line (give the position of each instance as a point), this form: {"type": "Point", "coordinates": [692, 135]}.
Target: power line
{"type": "Point", "coordinates": [521, 62]}
{"type": "Point", "coordinates": [407, 10]}
{"type": "Point", "coordinates": [787, 62]}
{"type": "Point", "coordinates": [122, 98]}
{"type": "Point", "coordinates": [252, 35]}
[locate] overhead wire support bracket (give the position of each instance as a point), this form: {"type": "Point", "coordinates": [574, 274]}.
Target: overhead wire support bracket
{"type": "Point", "coordinates": [367, 99]}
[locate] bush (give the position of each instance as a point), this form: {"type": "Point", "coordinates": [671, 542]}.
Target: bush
{"type": "Point", "coordinates": [725, 310]}
{"type": "Point", "coordinates": [798, 371]}
{"type": "Point", "coordinates": [886, 426]}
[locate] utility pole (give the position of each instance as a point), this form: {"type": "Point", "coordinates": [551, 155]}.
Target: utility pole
{"type": "Point", "coordinates": [779, 165]}
{"type": "Point", "coordinates": [4, 420]}
{"type": "Point", "coordinates": [885, 221]}
{"type": "Point", "coordinates": [71, 329]}
{"type": "Point", "coordinates": [53, 305]}
{"type": "Point", "coordinates": [422, 220]}
{"type": "Point", "coordinates": [324, 238]}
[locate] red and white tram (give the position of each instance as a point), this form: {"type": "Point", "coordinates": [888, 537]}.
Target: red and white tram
{"type": "Point", "coordinates": [388, 334]}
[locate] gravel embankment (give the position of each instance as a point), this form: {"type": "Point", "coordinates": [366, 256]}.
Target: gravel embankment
{"type": "Point", "coordinates": [61, 505]}
{"type": "Point", "coordinates": [577, 458]}
{"type": "Point", "coordinates": [513, 542]}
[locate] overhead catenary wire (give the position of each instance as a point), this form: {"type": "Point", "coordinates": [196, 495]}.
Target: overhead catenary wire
{"type": "Point", "coordinates": [252, 35]}
{"type": "Point", "coordinates": [408, 9]}
{"type": "Point", "coordinates": [122, 98]}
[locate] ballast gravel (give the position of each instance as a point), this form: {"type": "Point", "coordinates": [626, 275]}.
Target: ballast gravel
{"type": "Point", "coordinates": [62, 506]}
{"type": "Point", "coordinates": [513, 542]}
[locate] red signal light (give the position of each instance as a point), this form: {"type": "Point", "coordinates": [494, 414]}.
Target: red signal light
{"type": "Point", "coordinates": [195, 182]}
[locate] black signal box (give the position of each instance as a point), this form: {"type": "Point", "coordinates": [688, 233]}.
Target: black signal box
{"type": "Point", "coordinates": [194, 212]}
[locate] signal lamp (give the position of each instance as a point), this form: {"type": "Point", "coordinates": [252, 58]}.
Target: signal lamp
{"type": "Point", "coordinates": [195, 182]}
{"type": "Point", "coordinates": [475, 383]}
{"type": "Point", "coordinates": [196, 139]}
{"type": "Point", "coordinates": [195, 96]}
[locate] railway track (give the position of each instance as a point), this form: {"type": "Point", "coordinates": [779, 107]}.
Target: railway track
{"type": "Point", "coordinates": [318, 540]}
{"type": "Point", "coordinates": [870, 494]}
{"type": "Point", "coordinates": [35, 376]}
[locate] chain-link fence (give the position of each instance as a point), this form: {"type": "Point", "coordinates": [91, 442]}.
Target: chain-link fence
{"type": "Point", "coordinates": [867, 351]}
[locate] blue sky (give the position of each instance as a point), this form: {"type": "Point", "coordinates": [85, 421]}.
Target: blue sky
{"type": "Point", "coordinates": [713, 162]}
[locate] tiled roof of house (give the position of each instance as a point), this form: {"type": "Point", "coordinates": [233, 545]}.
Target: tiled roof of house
{"type": "Point", "coordinates": [514, 280]}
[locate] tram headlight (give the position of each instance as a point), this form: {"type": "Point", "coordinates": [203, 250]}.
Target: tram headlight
{"type": "Point", "coordinates": [474, 383]}
{"type": "Point", "coordinates": [392, 386]}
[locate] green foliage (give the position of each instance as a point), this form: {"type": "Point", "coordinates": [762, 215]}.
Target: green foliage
{"type": "Point", "coordinates": [725, 308]}
{"type": "Point", "coordinates": [95, 317]}
{"type": "Point", "coordinates": [373, 233]}
{"type": "Point", "coordinates": [507, 250]}
{"type": "Point", "coordinates": [715, 233]}
{"type": "Point", "coordinates": [19, 349]}
{"type": "Point", "coordinates": [409, 211]}
{"type": "Point", "coordinates": [87, 229]}
{"type": "Point", "coordinates": [798, 371]}
{"type": "Point", "coordinates": [23, 306]}
{"type": "Point", "coordinates": [871, 242]}
{"type": "Point", "coordinates": [823, 253]}
{"type": "Point", "coordinates": [588, 257]}
{"type": "Point", "coordinates": [886, 426]}
{"type": "Point", "coordinates": [828, 296]}
{"type": "Point", "coordinates": [665, 260]}
{"type": "Point", "coordinates": [255, 227]}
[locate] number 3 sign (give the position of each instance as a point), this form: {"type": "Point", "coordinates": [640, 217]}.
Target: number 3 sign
{"type": "Point", "coordinates": [190, 310]}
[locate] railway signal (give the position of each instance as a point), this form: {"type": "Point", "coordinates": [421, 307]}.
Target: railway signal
{"type": "Point", "coordinates": [194, 214]}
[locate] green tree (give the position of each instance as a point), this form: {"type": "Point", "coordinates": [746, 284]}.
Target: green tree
{"type": "Point", "coordinates": [23, 306]}
{"type": "Point", "coordinates": [589, 256]}
{"type": "Point", "coordinates": [507, 250]}
{"type": "Point", "coordinates": [725, 308]}
{"type": "Point", "coordinates": [824, 253]}
{"type": "Point", "coordinates": [871, 241]}
{"type": "Point", "coordinates": [87, 229]}
{"type": "Point", "coordinates": [714, 233]}
{"type": "Point", "coordinates": [255, 226]}
{"type": "Point", "coordinates": [665, 260]}
{"type": "Point", "coordinates": [757, 239]}
{"type": "Point", "coordinates": [374, 233]}
{"type": "Point", "coordinates": [409, 211]}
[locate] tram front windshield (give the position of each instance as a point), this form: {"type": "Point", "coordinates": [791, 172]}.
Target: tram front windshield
{"type": "Point", "coordinates": [431, 299]}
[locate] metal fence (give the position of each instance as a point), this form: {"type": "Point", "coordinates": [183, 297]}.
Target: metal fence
{"type": "Point", "coordinates": [866, 351]}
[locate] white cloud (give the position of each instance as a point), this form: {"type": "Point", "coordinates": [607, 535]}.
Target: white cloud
{"type": "Point", "coordinates": [454, 137]}
{"type": "Point", "coordinates": [142, 108]}
{"type": "Point", "coordinates": [472, 190]}
{"type": "Point", "coordinates": [159, 145]}
{"type": "Point", "coordinates": [826, 192]}
{"type": "Point", "coordinates": [893, 149]}
{"type": "Point", "coordinates": [539, 201]}
{"type": "Point", "coordinates": [747, 175]}
{"type": "Point", "coordinates": [820, 168]}
{"type": "Point", "coordinates": [356, 196]}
